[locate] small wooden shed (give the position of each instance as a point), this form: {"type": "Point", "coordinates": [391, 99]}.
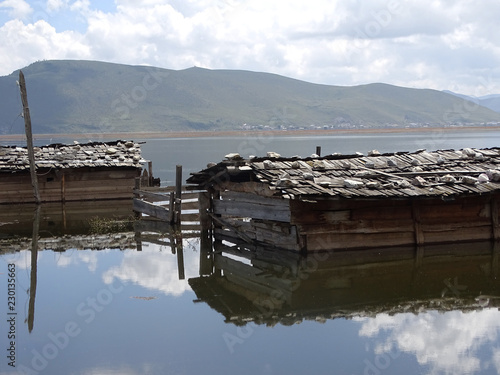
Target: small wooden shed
{"type": "Point", "coordinates": [355, 201]}
{"type": "Point", "coordinates": [76, 172]}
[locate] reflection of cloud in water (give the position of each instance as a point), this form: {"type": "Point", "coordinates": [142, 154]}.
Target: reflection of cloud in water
{"type": "Point", "coordinates": [75, 257]}
{"type": "Point", "coordinates": [155, 269]}
{"type": "Point", "coordinates": [22, 259]}
{"type": "Point", "coordinates": [496, 359]}
{"type": "Point", "coordinates": [447, 342]}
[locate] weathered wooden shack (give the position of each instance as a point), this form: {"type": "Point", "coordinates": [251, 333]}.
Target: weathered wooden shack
{"type": "Point", "coordinates": [77, 172]}
{"type": "Point", "coordinates": [355, 201]}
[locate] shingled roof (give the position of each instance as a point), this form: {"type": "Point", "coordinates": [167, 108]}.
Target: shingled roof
{"type": "Point", "coordinates": [439, 173]}
{"type": "Point", "coordinates": [61, 156]}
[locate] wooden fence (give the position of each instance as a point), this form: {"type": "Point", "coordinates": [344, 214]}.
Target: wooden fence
{"type": "Point", "coordinates": [171, 204]}
{"type": "Point", "coordinates": [162, 204]}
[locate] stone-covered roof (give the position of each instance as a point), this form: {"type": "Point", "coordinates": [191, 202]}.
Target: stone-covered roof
{"type": "Point", "coordinates": [76, 155]}
{"type": "Point", "coordinates": [402, 174]}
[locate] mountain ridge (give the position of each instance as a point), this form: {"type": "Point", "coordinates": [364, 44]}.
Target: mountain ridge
{"type": "Point", "coordinates": [491, 101]}
{"type": "Point", "coordinates": [78, 96]}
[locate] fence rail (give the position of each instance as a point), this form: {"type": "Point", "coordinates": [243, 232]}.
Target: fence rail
{"type": "Point", "coordinates": [162, 206]}
{"type": "Point", "coordinates": [173, 204]}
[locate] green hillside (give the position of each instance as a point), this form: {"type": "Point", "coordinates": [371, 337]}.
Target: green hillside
{"type": "Point", "coordinates": [87, 96]}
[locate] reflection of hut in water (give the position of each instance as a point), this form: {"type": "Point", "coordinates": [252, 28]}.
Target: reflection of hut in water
{"type": "Point", "coordinates": [355, 201]}
{"type": "Point", "coordinates": [77, 172]}
{"type": "Point", "coordinates": [70, 218]}
{"type": "Point", "coordinates": [72, 225]}
{"type": "Point", "coordinates": [269, 287]}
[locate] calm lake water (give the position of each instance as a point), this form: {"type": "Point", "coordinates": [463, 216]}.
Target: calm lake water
{"type": "Point", "coordinates": [119, 310]}
{"type": "Point", "coordinates": [195, 153]}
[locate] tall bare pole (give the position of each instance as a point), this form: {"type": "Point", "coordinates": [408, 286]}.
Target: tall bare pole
{"type": "Point", "coordinates": [29, 137]}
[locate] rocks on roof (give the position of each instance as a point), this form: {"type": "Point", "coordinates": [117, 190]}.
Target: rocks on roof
{"type": "Point", "coordinates": [76, 155]}
{"type": "Point", "coordinates": [401, 174]}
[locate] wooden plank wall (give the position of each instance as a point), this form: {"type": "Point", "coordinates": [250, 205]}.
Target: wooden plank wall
{"type": "Point", "coordinates": [339, 223]}
{"type": "Point", "coordinates": [69, 185]}
{"type": "Point", "coordinates": [254, 219]}
{"type": "Point", "coordinates": [347, 224]}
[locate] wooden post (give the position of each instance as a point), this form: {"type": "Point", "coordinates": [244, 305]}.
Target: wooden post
{"type": "Point", "coordinates": [417, 226]}
{"type": "Point", "coordinates": [206, 259]}
{"type": "Point", "coordinates": [150, 171]}
{"type": "Point", "coordinates": [137, 187]}
{"type": "Point", "coordinates": [29, 137]}
{"type": "Point", "coordinates": [144, 178]}
{"type": "Point", "coordinates": [495, 232]}
{"type": "Point", "coordinates": [178, 194]}
{"type": "Point", "coordinates": [215, 194]}
{"type": "Point", "coordinates": [171, 208]}
{"type": "Point", "coordinates": [63, 188]}
{"type": "Point", "coordinates": [318, 150]}
{"type": "Point", "coordinates": [204, 208]}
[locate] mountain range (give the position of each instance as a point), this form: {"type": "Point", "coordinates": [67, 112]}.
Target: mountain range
{"type": "Point", "coordinates": [489, 101]}
{"type": "Point", "coordinates": [76, 96]}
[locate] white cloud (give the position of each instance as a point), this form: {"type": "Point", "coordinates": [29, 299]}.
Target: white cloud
{"type": "Point", "coordinates": [444, 342]}
{"type": "Point", "coordinates": [56, 5]}
{"type": "Point", "coordinates": [82, 6]}
{"type": "Point", "coordinates": [17, 9]}
{"type": "Point", "coordinates": [24, 44]}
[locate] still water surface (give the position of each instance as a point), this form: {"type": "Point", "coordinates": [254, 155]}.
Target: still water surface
{"type": "Point", "coordinates": [124, 311]}
{"type": "Point", "coordinates": [194, 153]}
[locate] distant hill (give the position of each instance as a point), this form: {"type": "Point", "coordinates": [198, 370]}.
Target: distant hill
{"type": "Point", "coordinates": [489, 101]}
{"type": "Point", "coordinates": [88, 96]}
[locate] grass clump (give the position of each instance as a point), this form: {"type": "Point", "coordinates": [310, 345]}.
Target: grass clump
{"type": "Point", "coordinates": [103, 225]}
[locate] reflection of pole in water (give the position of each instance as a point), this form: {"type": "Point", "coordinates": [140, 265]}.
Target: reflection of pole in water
{"type": "Point", "coordinates": [176, 246]}
{"type": "Point", "coordinates": [34, 261]}
{"type": "Point", "coordinates": [180, 257]}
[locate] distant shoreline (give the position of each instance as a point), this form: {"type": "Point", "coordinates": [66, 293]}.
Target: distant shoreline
{"type": "Point", "coordinates": [235, 133]}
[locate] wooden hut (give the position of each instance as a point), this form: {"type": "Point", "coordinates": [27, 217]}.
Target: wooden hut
{"type": "Point", "coordinates": [77, 172]}
{"type": "Point", "coordinates": [355, 201]}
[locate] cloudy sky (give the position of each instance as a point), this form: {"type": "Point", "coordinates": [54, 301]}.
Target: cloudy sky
{"type": "Point", "coordinates": [423, 44]}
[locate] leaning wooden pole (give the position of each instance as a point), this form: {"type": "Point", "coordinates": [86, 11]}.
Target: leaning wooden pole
{"type": "Point", "coordinates": [29, 137]}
